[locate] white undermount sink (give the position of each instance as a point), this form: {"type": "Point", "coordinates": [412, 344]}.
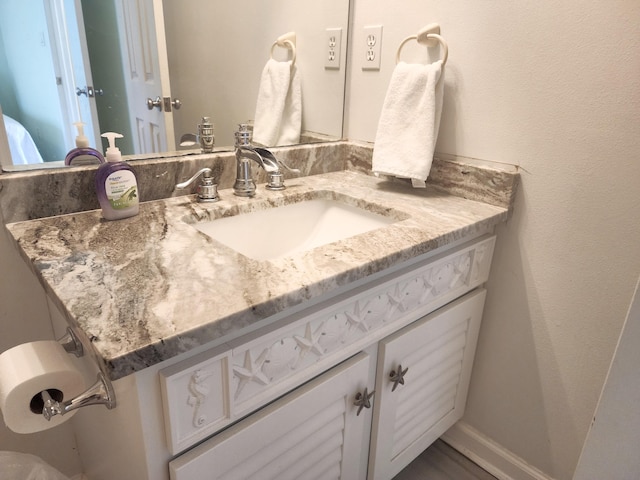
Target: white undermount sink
{"type": "Point", "coordinates": [282, 231]}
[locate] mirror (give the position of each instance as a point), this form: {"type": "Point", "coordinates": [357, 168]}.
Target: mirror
{"type": "Point", "coordinates": [215, 52]}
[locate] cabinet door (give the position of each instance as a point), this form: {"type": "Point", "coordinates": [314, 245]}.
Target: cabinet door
{"type": "Point", "coordinates": [313, 432]}
{"type": "Point", "coordinates": [429, 364]}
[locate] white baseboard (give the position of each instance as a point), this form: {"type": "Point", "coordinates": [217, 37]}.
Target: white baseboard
{"type": "Point", "coordinates": [492, 457]}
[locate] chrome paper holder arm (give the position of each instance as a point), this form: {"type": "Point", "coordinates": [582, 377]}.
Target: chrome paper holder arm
{"type": "Point", "coordinates": [71, 343]}
{"type": "Point", "coordinates": [100, 393]}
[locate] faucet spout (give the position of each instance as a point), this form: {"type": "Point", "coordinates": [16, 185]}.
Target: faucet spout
{"type": "Point", "coordinates": [245, 152]}
{"type": "Point", "coordinates": [244, 185]}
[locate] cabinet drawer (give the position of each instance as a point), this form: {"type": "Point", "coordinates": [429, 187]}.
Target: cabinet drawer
{"type": "Point", "coordinates": [312, 432]}
{"type": "Point", "coordinates": [422, 379]}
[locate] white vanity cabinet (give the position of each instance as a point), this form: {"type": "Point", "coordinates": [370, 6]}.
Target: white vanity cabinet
{"type": "Point", "coordinates": [321, 430]}
{"type": "Point", "coordinates": [287, 393]}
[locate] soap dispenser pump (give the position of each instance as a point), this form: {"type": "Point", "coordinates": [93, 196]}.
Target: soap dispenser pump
{"type": "Point", "coordinates": [83, 154]}
{"type": "Point", "coordinates": [116, 184]}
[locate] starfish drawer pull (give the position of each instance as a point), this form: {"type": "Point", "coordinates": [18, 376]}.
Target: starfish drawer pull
{"type": "Point", "coordinates": [397, 377]}
{"type": "Point", "coordinates": [363, 400]}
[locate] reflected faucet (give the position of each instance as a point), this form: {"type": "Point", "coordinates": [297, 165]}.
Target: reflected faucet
{"type": "Point", "coordinates": [205, 136]}
{"type": "Point", "coordinates": [245, 152]}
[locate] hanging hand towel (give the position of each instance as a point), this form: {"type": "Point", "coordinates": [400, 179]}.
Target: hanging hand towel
{"type": "Point", "coordinates": [409, 122]}
{"type": "Point", "coordinates": [278, 117]}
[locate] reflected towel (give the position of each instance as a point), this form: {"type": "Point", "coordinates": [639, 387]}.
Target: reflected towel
{"type": "Point", "coordinates": [278, 117]}
{"type": "Point", "coordinates": [409, 122]}
{"type": "Point", "coordinates": [21, 145]}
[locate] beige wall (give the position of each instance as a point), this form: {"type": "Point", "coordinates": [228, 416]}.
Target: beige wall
{"type": "Point", "coordinates": [553, 87]}
{"type": "Point", "coordinates": [24, 317]}
{"type": "Point", "coordinates": [228, 45]}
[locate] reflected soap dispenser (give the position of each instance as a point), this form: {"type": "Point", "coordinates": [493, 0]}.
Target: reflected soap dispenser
{"type": "Point", "coordinates": [116, 184]}
{"type": "Point", "coordinates": [83, 154]}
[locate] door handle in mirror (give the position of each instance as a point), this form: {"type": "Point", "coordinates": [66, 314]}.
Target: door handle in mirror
{"type": "Point", "coordinates": [151, 104]}
{"type": "Point", "coordinates": [89, 91]}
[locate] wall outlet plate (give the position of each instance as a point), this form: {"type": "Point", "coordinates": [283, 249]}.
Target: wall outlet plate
{"type": "Point", "coordinates": [372, 47]}
{"type": "Point", "coordinates": [333, 47]}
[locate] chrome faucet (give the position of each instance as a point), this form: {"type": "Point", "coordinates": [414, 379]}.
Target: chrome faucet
{"type": "Point", "coordinates": [207, 190]}
{"type": "Point", "coordinates": [245, 152]}
{"type": "Point", "coordinates": [205, 136]}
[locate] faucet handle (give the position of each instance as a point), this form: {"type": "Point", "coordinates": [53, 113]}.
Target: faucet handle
{"type": "Point", "coordinates": [243, 135]}
{"type": "Point", "coordinates": [207, 190]}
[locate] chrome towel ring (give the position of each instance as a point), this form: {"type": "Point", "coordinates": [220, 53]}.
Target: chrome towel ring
{"type": "Point", "coordinates": [427, 36]}
{"type": "Point", "coordinates": [288, 40]}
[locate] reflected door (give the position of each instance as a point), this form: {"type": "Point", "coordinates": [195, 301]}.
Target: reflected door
{"type": "Point", "coordinates": [142, 41]}
{"type": "Point", "coordinates": [71, 63]}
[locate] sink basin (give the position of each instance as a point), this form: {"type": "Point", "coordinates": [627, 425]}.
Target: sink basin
{"type": "Point", "coordinates": [283, 231]}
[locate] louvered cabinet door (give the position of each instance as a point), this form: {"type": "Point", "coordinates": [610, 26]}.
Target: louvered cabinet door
{"type": "Point", "coordinates": [422, 379]}
{"type": "Point", "coordinates": [314, 432]}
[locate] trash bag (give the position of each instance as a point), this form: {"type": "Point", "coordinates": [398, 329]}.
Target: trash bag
{"type": "Point", "coordinates": [21, 466]}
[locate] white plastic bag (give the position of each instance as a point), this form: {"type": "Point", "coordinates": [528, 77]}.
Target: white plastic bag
{"type": "Point", "coordinates": [21, 466]}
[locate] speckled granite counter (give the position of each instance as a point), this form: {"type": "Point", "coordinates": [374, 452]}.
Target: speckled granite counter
{"type": "Point", "coordinates": [150, 287]}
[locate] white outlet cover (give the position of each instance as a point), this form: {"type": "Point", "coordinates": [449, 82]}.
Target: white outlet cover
{"type": "Point", "coordinates": [372, 37]}
{"type": "Point", "coordinates": [332, 48]}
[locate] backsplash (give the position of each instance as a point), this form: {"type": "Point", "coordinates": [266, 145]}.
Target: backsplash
{"type": "Point", "coordinates": [46, 193]}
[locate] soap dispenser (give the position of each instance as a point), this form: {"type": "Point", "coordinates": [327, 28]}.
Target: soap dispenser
{"type": "Point", "coordinates": [83, 154]}
{"type": "Point", "coordinates": [116, 184]}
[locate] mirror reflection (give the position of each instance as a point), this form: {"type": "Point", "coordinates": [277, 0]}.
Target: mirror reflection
{"type": "Point", "coordinates": [151, 69]}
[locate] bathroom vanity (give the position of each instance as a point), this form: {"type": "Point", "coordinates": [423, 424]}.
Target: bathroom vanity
{"type": "Point", "coordinates": [340, 360]}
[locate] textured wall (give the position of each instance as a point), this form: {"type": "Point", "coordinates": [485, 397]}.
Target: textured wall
{"type": "Point", "coordinates": [553, 87]}
{"type": "Point", "coordinates": [24, 317]}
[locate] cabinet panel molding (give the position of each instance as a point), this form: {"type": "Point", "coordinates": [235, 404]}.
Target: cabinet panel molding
{"type": "Point", "coordinates": [195, 398]}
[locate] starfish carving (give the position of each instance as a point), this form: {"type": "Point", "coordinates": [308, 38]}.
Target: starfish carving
{"type": "Point", "coordinates": [356, 318]}
{"type": "Point", "coordinates": [309, 343]}
{"type": "Point", "coordinates": [397, 377]}
{"type": "Point", "coordinates": [460, 269]}
{"type": "Point", "coordinates": [363, 400]}
{"type": "Point", "coordinates": [251, 371]}
{"type": "Point", "coordinates": [395, 299]}
{"type": "Point", "coordinates": [427, 289]}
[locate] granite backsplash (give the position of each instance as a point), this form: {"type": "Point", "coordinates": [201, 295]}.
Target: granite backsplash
{"type": "Point", "coordinates": [44, 193]}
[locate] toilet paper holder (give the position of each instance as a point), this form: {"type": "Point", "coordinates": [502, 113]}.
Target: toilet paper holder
{"type": "Point", "coordinates": [71, 343]}
{"type": "Point", "coordinates": [100, 393]}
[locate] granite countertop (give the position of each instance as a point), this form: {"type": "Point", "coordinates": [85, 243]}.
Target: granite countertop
{"type": "Point", "coordinates": [147, 288]}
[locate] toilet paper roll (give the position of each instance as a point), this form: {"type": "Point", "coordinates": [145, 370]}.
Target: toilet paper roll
{"type": "Point", "coordinates": [25, 371]}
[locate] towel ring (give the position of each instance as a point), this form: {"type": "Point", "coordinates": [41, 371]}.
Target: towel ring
{"type": "Point", "coordinates": [426, 37]}
{"type": "Point", "coordinates": [285, 44]}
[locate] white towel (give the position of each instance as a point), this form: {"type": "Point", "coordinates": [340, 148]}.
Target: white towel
{"type": "Point", "coordinates": [409, 122]}
{"type": "Point", "coordinates": [278, 117]}
{"type": "Point", "coordinates": [21, 145]}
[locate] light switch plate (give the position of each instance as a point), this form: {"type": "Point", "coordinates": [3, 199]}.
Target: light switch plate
{"type": "Point", "coordinates": [333, 47]}
{"type": "Point", "coordinates": [372, 47]}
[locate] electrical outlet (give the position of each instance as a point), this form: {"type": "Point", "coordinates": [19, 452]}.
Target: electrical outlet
{"type": "Point", "coordinates": [333, 45]}
{"type": "Point", "coordinates": [372, 47]}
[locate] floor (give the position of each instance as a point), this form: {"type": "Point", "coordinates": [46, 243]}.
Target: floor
{"type": "Point", "coordinates": [441, 462]}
